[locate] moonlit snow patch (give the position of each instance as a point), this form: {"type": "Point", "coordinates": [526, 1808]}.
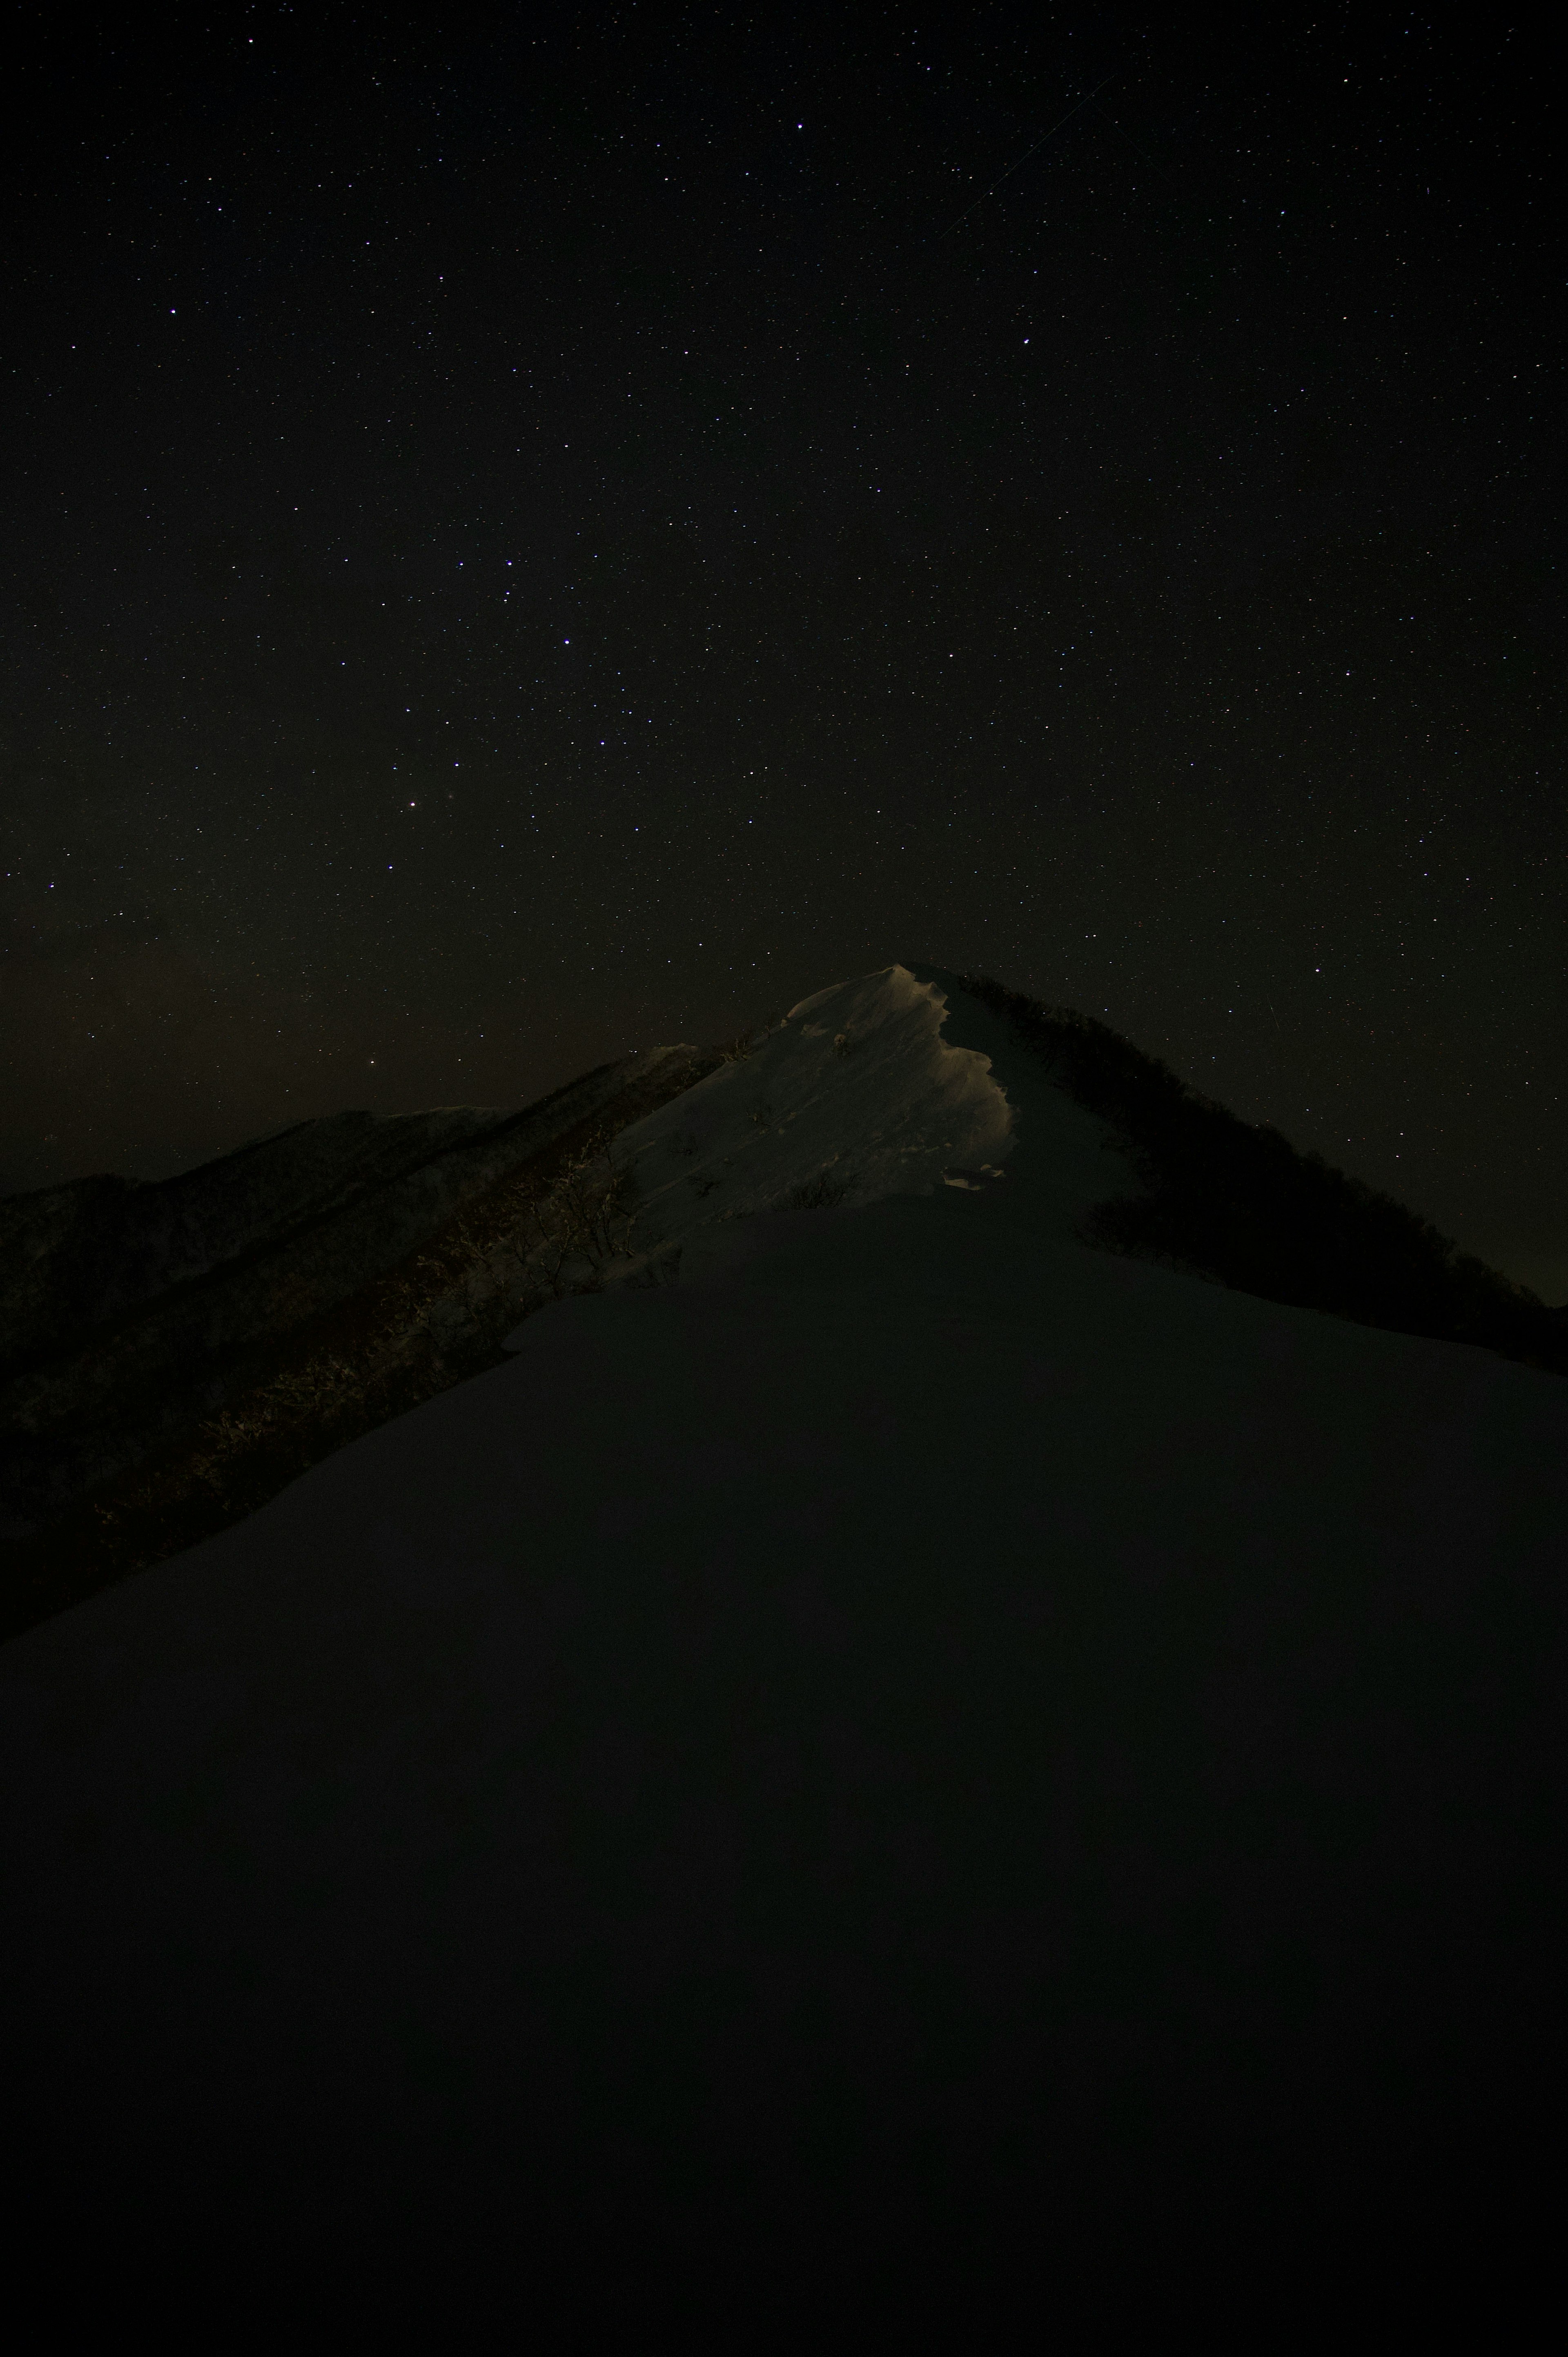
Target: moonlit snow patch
{"type": "Point", "coordinates": [856, 1096]}
{"type": "Point", "coordinates": [858, 1081]}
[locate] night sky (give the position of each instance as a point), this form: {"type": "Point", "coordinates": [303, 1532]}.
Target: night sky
{"type": "Point", "coordinates": [523, 542]}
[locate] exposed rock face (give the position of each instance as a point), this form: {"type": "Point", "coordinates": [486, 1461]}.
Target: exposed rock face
{"type": "Point", "coordinates": [130, 1309]}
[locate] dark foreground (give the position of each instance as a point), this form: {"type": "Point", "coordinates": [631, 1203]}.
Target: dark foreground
{"type": "Point", "coordinates": [936, 1784]}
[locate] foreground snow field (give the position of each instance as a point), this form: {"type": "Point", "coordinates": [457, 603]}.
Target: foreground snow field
{"type": "Point", "coordinates": [915, 1759]}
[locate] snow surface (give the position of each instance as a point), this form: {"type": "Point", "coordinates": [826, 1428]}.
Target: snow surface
{"type": "Point", "coordinates": [916, 1745]}
{"type": "Point", "coordinates": [856, 1086]}
{"type": "Point", "coordinates": [857, 1082]}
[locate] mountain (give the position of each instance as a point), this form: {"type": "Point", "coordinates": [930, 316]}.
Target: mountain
{"type": "Point", "coordinates": [173, 1354]}
{"type": "Point", "coordinates": [902, 1760]}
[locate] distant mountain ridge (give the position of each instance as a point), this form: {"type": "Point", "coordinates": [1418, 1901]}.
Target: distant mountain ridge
{"type": "Point", "coordinates": [82, 1256]}
{"type": "Point", "coordinates": [131, 1312]}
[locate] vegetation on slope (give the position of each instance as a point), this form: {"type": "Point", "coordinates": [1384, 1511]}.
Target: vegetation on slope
{"type": "Point", "coordinates": [1241, 1207]}
{"type": "Point", "coordinates": [550, 1226]}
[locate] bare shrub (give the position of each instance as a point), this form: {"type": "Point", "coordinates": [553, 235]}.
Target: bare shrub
{"type": "Point", "coordinates": [745, 1043]}
{"type": "Point", "coordinates": [821, 1193]}
{"type": "Point", "coordinates": [585, 1223]}
{"type": "Point", "coordinates": [663, 1269]}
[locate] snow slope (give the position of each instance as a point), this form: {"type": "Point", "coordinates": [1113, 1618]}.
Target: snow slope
{"type": "Point", "coordinates": [919, 1764]}
{"type": "Point", "coordinates": [858, 1088]}
{"type": "Point", "coordinates": [858, 1082]}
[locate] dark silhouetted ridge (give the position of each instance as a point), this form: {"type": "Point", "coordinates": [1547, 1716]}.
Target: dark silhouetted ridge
{"type": "Point", "coordinates": [1239, 1205]}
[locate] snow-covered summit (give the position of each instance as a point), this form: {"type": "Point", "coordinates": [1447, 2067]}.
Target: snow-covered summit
{"type": "Point", "coordinates": [857, 1085]}
{"type": "Point", "coordinates": [896, 1084]}
{"type": "Point", "coordinates": [854, 1096]}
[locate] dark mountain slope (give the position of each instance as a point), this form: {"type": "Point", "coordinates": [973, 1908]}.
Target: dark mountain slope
{"type": "Point", "coordinates": [1241, 1206]}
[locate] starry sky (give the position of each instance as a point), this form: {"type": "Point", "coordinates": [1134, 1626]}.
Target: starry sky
{"type": "Point", "coordinates": [574, 530]}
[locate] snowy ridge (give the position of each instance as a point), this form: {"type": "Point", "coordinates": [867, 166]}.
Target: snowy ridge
{"type": "Point", "coordinates": [857, 1080]}
{"type": "Point", "coordinates": [855, 1096]}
